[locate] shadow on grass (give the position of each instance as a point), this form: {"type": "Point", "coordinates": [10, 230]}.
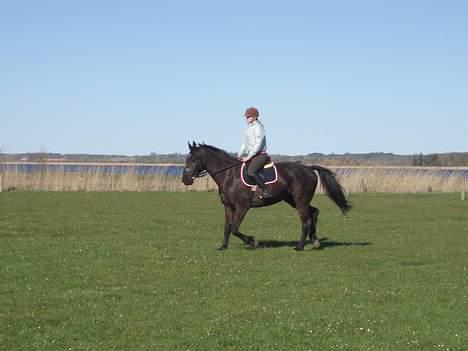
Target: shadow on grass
{"type": "Point", "coordinates": [324, 243]}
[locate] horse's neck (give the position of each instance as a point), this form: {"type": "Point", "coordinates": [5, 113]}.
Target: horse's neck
{"type": "Point", "coordinates": [215, 162]}
{"type": "Point", "coordinates": [215, 165]}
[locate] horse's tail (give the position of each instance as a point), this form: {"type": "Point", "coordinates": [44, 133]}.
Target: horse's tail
{"type": "Point", "coordinates": [332, 188]}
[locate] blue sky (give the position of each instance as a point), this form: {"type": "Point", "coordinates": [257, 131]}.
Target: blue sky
{"type": "Point", "coordinates": [135, 77]}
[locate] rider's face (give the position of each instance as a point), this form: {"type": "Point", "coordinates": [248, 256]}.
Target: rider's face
{"type": "Point", "coordinates": [250, 119]}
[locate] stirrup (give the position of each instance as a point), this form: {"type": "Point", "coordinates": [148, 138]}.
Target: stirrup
{"type": "Point", "coordinates": [265, 195]}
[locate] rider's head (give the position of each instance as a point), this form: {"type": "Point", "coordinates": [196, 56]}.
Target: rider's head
{"type": "Point", "coordinates": [251, 114]}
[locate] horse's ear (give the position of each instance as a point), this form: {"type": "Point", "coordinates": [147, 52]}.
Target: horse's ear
{"type": "Point", "coordinates": [194, 145]}
{"type": "Point", "coordinates": [190, 146]}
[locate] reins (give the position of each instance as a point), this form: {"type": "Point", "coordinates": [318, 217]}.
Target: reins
{"type": "Point", "coordinates": [205, 172]}
{"type": "Point", "coordinates": [225, 168]}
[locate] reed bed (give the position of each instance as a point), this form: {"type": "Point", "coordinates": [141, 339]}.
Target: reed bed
{"type": "Point", "coordinates": [108, 177]}
{"type": "Point", "coordinates": [99, 177]}
{"type": "Point", "coordinates": [402, 179]}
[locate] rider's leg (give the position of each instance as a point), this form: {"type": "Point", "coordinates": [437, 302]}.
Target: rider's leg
{"type": "Point", "coordinates": [255, 165]}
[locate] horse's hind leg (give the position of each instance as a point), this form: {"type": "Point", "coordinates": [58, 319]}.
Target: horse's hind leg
{"type": "Point", "coordinates": [309, 227]}
{"type": "Point", "coordinates": [306, 219]}
{"type": "Point", "coordinates": [314, 212]}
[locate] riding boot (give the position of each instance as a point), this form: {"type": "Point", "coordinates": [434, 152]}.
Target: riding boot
{"type": "Point", "coordinates": [266, 193]}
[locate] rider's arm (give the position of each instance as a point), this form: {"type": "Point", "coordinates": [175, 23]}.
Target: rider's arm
{"type": "Point", "coordinates": [242, 150]}
{"type": "Point", "coordinates": [257, 135]}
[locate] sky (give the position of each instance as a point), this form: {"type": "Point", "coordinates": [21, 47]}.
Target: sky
{"type": "Point", "coordinates": [140, 77]}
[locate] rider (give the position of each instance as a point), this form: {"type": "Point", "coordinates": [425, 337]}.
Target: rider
{"type": "Point", "coordinates": [254, 149]}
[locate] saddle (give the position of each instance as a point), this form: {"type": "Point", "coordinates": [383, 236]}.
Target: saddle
{"type": "Point", "coordinates": [269, 174]}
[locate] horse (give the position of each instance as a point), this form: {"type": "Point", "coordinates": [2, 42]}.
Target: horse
{"type": "Point", "coordinates": [296, 184]}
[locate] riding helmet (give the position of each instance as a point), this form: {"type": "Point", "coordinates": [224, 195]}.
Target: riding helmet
{"type": "Point", "coordinates": [251, 112]}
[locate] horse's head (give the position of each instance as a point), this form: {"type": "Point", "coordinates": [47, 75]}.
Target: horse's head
{"type": "Point", "coordinates": [193, 165]}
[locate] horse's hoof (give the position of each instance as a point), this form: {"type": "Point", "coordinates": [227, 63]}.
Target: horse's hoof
{"type": "Point", "coordinates": [222, 248]}
{"type": "Point", "coordinates": [299, 248]}
{"type": "Point", "coordinates": [316, 244]}
{"type": "Point", "coordinates": [253, 242]}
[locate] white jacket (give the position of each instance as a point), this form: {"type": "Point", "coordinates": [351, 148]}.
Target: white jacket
{"type": "Point", "coordinates": [255, 140]}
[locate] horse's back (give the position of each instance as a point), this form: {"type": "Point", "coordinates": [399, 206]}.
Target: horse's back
{"type": "Point", "coordinates": [291, 172]}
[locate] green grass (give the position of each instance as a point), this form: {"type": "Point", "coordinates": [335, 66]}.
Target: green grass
{"type": "Point", "coordinates": [139, 271]}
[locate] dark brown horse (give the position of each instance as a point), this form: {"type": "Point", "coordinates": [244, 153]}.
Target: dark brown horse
{"type": "Point", "coordinates": [296, 185]}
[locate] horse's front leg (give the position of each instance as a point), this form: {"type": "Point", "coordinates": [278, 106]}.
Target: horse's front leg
{"type": "Point", "coordinates": [227, 227]}
{"type": "Point", "coordinates": [237, 218]}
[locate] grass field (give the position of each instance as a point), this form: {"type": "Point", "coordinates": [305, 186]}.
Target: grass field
{"type": "Point", "coordinates": [139, 271]}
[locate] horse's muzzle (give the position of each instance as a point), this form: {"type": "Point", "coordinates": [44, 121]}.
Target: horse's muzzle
{"type": "Point", "coordinates": [187, 179]}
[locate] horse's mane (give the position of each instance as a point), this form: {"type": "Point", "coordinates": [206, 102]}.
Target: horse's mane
{"type": "Point", "coordinates": [218, 151]}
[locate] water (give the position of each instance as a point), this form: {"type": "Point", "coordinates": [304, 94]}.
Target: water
{"type": "Point", "coordinates": [177, 170]}
{"type": "Point", "coordinates": [343, 172]}
{"type": "Point", "coordinates": [166, 170]}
